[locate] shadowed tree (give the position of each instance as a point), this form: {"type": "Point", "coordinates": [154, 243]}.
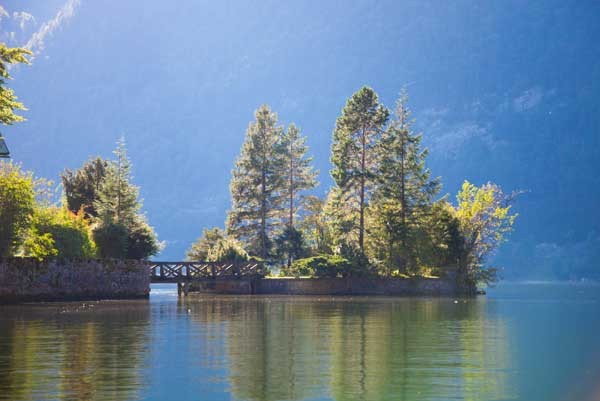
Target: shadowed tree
{"type": "Point", "coordinates": [82, 186]}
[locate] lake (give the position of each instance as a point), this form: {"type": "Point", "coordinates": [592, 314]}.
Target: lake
{"type": "Point", "coordinates": [531, 341]}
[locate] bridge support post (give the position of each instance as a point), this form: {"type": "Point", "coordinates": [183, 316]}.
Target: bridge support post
{"type": "Point", "coordinates": [182, 288]}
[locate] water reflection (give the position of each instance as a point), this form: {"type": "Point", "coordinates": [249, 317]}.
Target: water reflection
{"type": "Point", "coordinates": [72, 351]}
{"type": "Point", "coordinates": [361, 349]}
{"type": "Point", "coordinates": [280, 348]}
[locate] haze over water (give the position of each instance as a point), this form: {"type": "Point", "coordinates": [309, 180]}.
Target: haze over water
{"type": "Point", "coordinates": [522, 342]}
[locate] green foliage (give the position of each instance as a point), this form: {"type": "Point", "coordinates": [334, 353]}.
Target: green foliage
{"type": "Point", "coordinates": [69, 233]}
{"type": "Point", "coordinates": [39, 246]}
{"type": "Point", "coordinates": [200, 249]}
{"type": "Point", "coordinates": [82, 186]}
{"type": "Point", "coordinates": [8, 100]}
{"type": "Point", "coordinates": [320, 266]}
{"type": "Point", "coordinates": [315, 227]}
{"type": "Point", "coordinates": [120, 230]}
{"type": "Point", "coordinates": [404, 194]}
{"type": "Point", "coordinates": [297, 172]}
{"type": "Point", "coordinates": [227, 250]}
{"type": "Point", "coordinates": [354, 152]}
{"type": "Point", "coordinates": [117, 198]}
{"type": "Point", "coordinates": [141, 240]}
{"type": "Point", "coordinates": [290, 245]}
{"type": "Point", "coordinates": [111, 240]}
{"type": "Point", "coordinates": [485, 219]}
{"type": "Point", "coordinates": [256, 185]}
{"type": "Point", "coordinates": [359, 263]}
{"type": "Point", "coordinates": [17, 197]}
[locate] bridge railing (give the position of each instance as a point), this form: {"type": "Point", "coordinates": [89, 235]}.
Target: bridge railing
{"type": "Point", "coordinates": [179, 271]}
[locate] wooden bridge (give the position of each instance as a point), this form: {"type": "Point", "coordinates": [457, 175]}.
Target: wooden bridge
{"type": "Point", "coordinates": [184, 273]}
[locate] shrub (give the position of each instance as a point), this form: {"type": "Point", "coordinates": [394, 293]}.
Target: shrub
{"type": "Point", "coordinates": [111, 240]}
{"type": "Point", "coordinates": [69, 234]}
{"type": "Point", "coordinates": [141, 241]}
{"type": "Point", "coordinates": [16, 206]}
{"type": "Point", "coordinates": [320, 266]}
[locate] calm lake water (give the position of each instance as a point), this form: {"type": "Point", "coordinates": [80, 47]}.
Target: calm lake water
{"type": "Point", "coordinates": [521, 342]}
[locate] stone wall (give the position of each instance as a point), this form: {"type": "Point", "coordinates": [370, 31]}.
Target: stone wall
{"type": "Point", "coordinates": [26, 279]}
{"type": "Point", "coordinates": [331, 286]}
{"type": "Point", "coordinates": [357, 286]}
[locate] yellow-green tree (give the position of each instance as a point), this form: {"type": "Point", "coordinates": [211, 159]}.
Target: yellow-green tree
{"type": "Point", "coordinates": [485, 218]}
{"type": "Point", "coordinates": [17, 200]}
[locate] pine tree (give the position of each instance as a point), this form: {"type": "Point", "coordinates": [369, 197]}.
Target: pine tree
{"type": "Point", "coordinates": [121, 230]}
{"type": "Point", "coordinates": [354, 151]}
{"type": "Point", "coordinates": [257, 184]}
{"type": "Point", "coordinates": [405, 191]}
{"type": "Point", "coordinates": [298, 176]}
{"type": "Point", "coordinates": [117, 198]}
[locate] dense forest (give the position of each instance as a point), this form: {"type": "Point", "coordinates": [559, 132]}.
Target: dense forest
{"type": "Point", "coordinates": [384, 216]}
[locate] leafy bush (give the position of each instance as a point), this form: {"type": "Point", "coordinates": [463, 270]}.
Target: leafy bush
{"type": "Point", "coordinates": [320, 266]}
{"type": "Point", "coordinates": [39, 246]}
{"type": "Point", "coordinates": [141, 241]}
{"type": "Point", "coordinates": [111, 240]}
{"type": "Point", "coordinates": [69, 234]}
{"type": "Point", "coordinates": [117, 241]}
{"type": "Point", "coordinates": [358, 262]}
{"type": "Point", "coordinates": [16, 206]}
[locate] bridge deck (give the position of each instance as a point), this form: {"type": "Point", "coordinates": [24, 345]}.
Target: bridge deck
{"type": "Point", "coordinates": [177, 272]}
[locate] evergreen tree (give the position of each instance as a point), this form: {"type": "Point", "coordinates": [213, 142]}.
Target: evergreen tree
{"type": "Point", "coordinates": [290, 245]}
{"type": "Point", "coordinates": [298, 176]}
{"type": "Point", "coordinates": [405, 189]}
{"type": "Point", "coordinates": [354, 151]}
{"type": "Point", "coordinates": [117, 198]}
{"type": "Point", "coordinates": [121, 231]}
{"type": "Point", "coordinates": [257, 184]}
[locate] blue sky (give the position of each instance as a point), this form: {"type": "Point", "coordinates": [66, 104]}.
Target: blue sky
{"type": "Point", "coordinates": [505, 91]}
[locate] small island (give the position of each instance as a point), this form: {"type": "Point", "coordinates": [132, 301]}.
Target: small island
{"type": "Point", "coordinates": [384, 227]}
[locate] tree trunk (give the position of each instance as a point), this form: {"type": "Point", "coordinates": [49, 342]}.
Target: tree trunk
{"type": "Point", "coordinates": [361, 232]}
{"type": "Point", "coordinates": [263, 215]}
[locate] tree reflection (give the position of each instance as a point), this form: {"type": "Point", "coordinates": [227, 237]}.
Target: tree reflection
{"type": "Point", "coordinates": [382, 349]}
{"type": "Point", "coordinates": [73, 352]}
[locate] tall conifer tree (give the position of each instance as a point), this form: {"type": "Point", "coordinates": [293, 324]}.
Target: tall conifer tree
{"type": "Point", "coordinates": [298, 174]}
{"type": "Point", "coordinates": [117, 198]}
{"type": "Point", "coordinates": [354, 151]}
{"type": "Point", "coordinates": [256, 185]}
{"type": "Point", "coordinates": [405, 190]}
